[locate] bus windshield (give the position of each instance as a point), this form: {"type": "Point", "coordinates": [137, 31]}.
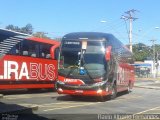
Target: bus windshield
{"type": "Point", "coordinates": [93, 59]}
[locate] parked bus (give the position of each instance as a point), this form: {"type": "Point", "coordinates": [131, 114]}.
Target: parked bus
{"type": "Point", "coordinates": [94, 64]}
{"type": "Point", "coordinates": [26, 61]}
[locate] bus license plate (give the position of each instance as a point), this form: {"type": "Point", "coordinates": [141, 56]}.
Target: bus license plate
{"type": "Point", "coordinates": [79, 91]}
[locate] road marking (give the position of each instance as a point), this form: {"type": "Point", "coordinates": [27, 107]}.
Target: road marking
{"type": "Point", "coordinates": [146, 110]}
{"type": "Point", "coordinates": [32, 106]}
{"type": "Point", "coordinates": [71, 104]}
{"type": "Point", "coordinates": [69, 107]}
{"type": "Point", "coordinates": [126, 98]}
{"type": "Point", "coordinates": [64, 103]}
{"type": "Point", "coordinates": [141, 113]}
{"type": "Point", "coordinates": [28, 96]}
{"type": "Point", "coordinates": [1, 95]}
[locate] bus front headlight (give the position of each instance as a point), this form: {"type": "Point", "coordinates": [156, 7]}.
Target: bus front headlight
{"type": "Point", "coordinates": [60, 82]}
{"type": "Point", "coordinates": [99, 83]}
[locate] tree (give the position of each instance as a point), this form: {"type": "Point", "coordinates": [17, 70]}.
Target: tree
{"type": "Point", "coordinates": [28, 29]}
{"type": "Point", "coordinates": [41, 35]}
{"type": "Point", "coordinates": [141, 52]}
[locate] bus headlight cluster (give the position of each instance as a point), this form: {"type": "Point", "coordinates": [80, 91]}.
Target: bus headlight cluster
{"type": "Point", "coordinates": [99, 83]}
{"type": "Point", "coordinates": [60, 82]}
{"type": "Point", "coordinates": [60, 89]}
{"type": "Point", "coordinates": [99, 91]}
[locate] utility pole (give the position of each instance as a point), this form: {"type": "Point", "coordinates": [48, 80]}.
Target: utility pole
{"type": "Point", "coordinates": [157, 63]}
{"type": "Point", "coordinates": [154, 59]}
{"type": "Point", "coordinates": [131, 19]}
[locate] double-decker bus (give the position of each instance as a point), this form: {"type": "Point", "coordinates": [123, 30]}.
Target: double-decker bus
{"type": "Point", "coordinates": [26, 61]}
{"type": "Point", "coordinates": [94, 64]}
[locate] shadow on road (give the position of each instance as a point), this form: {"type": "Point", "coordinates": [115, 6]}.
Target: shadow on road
{"type": "Point", "coordinates": [86, 98]}
{"type": "Point", "coordinates": [25, 91]}
{"type": "Point", "coordinates": [17, 112]}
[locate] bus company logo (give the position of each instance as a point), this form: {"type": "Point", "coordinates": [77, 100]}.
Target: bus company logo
{"type": "Point", "coordinates": [70, 80]}
{"type": "Point", "coordinates": [24, 70]}
{"type": "Point", "coordinates": [74, 81]}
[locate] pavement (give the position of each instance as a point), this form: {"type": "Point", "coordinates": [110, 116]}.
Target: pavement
{"type": "Point", "coordinates": [1, 95]}
{"type": "Point", "coordinates": [14, 108]}
{"type": "Point", "coordinates": [147, 83]}
{"type": "Point", "coordinates": [150, 83]}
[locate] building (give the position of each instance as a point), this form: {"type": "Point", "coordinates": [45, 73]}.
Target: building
{"type": "Point", "coordinates": [155, 72]}
{"type": "Point", "coordinates": [143, 69]}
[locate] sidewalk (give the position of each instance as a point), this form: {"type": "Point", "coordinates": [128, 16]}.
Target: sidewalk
{"type": "Point", "coordinates": [150, 83]}
{"type": "Point", "coordinates": [148, 78]}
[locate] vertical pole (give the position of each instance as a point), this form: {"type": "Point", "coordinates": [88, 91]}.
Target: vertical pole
{"type": "Point", "coordinates": [154, 70]}
{"type": "Point", "coordinates": [131, 19]}
{"type": "Point", "coordinates": [157, 64]}
{"type": "Point", "coordinates": [130, 34]}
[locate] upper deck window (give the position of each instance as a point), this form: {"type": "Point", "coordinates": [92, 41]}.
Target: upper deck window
{"type": "Point", "coordinates": [31, 49]}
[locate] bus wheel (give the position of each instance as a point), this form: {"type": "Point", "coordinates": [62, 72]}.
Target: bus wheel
{"type": "Point", "coordinates": [114, 92]}
{"type": "Point", "coordinates": [129, 87]}
{"type": "Point", "coordinates": [101, 98]}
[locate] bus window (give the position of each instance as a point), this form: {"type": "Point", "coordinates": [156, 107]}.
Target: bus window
{"type": "Point", "coordinates": [29, 48]}
{"type": "Point", "coordinates": [18, 49]}
{"type": "Point", "coordinates": [56, 53]}
{"type": "Point", "coordinates": [24, 48]}
{"type": "Point", "coordinates": [33, 49]}
{"type": "Point", "coordinates": [45, 51]}
{"type": "Point", "coordinates": [15, 50]}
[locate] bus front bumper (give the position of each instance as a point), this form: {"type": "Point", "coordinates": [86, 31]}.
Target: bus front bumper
{"type": "Point", "coordinates": [86, 90]}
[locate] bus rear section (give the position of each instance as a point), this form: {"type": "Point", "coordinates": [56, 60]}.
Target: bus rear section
{"type": "Point", "coordinates": [26, 62]}
{"type": "Point", "coordinates": [94, 64]}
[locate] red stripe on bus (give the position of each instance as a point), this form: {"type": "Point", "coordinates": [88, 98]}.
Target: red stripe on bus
{"type": "Point", "coordinates": [22, 86]}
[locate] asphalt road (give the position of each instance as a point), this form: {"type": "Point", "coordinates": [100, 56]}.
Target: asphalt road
{"type": "Point", "coordinates": [50, 105]}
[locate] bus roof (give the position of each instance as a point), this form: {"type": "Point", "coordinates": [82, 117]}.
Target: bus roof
{"type": "Point", "coordinates": [27, 36]}
{"type": "Point", "coordinates": [11, 33]}
{"type": "Point", "coordinates": [85, 35]}
{"type": "Point", "coordinates": [94, 36]}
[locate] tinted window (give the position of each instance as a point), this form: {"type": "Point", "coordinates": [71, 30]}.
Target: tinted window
{"type": "Point", "coordinates": [15, 50]}
{"type": "Point", "coordinates": [45, 50]}
{"type": "Point", "coordinates": [31, 49]}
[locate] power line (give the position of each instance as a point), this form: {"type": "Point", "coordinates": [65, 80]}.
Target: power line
{"type": "Point", "coordinates": [129, 17]}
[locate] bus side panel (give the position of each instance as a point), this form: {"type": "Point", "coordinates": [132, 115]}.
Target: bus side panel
{"type": "Point", "coordinates": [27, 70]}
{"type": "Point", "coordinates": [125, 76]}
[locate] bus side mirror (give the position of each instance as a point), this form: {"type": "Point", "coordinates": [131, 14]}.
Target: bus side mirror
{"type": "Point", "coordinates": [108, 53]}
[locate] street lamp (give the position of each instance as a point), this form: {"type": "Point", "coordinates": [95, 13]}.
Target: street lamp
{"type": "Point", "coordinates": [103, 21]}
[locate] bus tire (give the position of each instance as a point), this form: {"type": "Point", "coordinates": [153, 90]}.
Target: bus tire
{"type": "Point", "coordinates": [114, 92]}
{"type": "Point", "coordinates": [101, 98]}
{"type": "Point", "coordinates": [129, 88]}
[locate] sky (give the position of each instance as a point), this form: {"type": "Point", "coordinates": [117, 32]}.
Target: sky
{"type": "Point", "coordinates": [59, 17]}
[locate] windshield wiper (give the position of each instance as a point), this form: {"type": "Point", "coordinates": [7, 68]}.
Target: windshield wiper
{"type": "Point", "coordinates": [82, 64]}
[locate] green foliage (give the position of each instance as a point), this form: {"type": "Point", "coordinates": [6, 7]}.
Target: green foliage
{"type": "Point", "coordinates": [28, 29]}
{"type": "Point", "coordinates": [41, 35]}
{"type": "Point", "coordinates": [143, 52]}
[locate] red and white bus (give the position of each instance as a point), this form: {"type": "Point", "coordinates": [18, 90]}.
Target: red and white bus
{"type": "Point", "coordinates": [94, 64]}
{"type": "Point", "coordinates": [26, 61]}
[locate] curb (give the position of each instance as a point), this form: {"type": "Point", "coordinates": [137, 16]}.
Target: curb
{"type": "Point", "coordinates": [30, 106]}
{"type": "Point", "coordinates": [34, 107]}
{"type": "Point", "coordinates": [26, 109]}
{"type": "Point", "coordinates": [148, 87]}
{"type": "Point", "coordinates": [1, 95]}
